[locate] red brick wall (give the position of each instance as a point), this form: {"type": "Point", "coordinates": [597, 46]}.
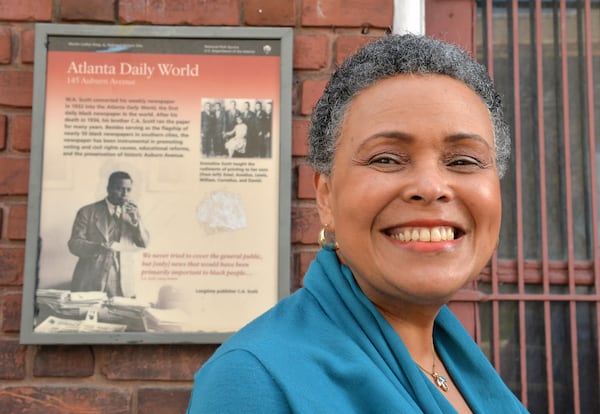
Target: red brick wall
{"type": "Point", "coordinates": [144, 378]}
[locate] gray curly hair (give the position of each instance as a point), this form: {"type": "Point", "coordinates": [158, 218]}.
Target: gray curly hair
{"type": "Point", "coordinates": [395, 55]}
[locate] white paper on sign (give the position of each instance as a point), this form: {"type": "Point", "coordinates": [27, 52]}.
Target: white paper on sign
{"type": "Point", "coordinates": [222, 211]}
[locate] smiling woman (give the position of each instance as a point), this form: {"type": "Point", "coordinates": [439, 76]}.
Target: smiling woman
{"type": "Point", "coordinates": [419, 178]}
{"type": "Point", "coordinates": [408, 144]}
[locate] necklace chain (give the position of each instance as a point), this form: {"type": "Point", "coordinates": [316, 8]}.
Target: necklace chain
{"type": "Point", "coordinates": [439, 380]}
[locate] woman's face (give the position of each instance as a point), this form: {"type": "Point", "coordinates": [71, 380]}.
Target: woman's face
{"type": "Point", "coordinates": [414, 194]}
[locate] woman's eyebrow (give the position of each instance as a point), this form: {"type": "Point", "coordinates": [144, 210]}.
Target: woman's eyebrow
{"type": "Point", "coordinates": [393, 134]}
{"type": "Point", "coordinates": [406, 137]}
{"type": "Point", "coordinates": [461, 136]}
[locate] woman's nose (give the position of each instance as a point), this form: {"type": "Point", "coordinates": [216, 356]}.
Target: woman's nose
{"type": "Point", "coordinates": [427, 185]}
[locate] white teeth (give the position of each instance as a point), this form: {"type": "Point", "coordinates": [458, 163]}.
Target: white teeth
{"type": "Point", "coordinates": [424, 234]}
{"type": "Point", "coordinates": [436, 234]}
{"type": "Point", "coordinates": [414, 235]}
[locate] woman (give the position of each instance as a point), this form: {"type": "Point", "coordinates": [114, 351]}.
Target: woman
{"type": "Point", "coordinates": [408, 143]}
{"type": "Point", "coordinates": [238, 140]}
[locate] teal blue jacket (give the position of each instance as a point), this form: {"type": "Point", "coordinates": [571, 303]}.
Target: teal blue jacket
{"type": "Point", "coordinates": [327, 349]}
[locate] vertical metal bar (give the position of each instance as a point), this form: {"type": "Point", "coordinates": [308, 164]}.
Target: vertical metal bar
{"type": "Point", "coordinates": [495, 345]}
{"type": "Point", "coordinates": [543, 200]}
{"type": "Point", "coordinates": [487, 51]}
{"type": "Point", "coordinates": [489, 37]}
{"type": "Point", "coordinates": [519, 196]}
{"type": "Point", "coordinates": [592, 153]}
{"type": "Point", "coordinates": [569, 204]}
{"type": "Point", "coordinates": [477, 329]}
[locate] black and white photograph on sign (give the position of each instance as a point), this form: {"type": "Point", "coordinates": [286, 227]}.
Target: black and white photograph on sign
{"type": "Point", "coordinates": [236, 128]}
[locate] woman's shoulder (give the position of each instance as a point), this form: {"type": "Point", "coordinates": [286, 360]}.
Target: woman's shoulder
{"type": "Point", "coordinates": [248, 366]}
{"type": "Point", "coordinates": [235, 379]}
{"type": "Point", "coordinates": [289, 322]}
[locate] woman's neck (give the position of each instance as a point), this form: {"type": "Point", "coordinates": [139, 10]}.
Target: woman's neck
{"type": "Point", "coordinates": [414, 325]}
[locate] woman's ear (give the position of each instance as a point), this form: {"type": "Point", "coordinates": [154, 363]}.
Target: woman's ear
{"type": "Point", "coordinates": [322, 185]}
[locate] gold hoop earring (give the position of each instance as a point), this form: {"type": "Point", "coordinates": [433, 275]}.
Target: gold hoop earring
{"type": "Point", "coordinates": [327, 239]}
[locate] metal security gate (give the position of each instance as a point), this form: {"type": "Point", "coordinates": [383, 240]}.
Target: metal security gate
{"type": "Point", "coordinates": [539, 304]}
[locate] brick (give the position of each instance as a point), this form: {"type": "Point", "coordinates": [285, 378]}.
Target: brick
{"type": "Point", "coordinates": [348, 13]}
{"type": "Point", "coordinates": [311, 51]}
{"type": "Point", "coordinates": [305, 225]}
{"type": "Point", "coordinates": [5, 45]}
{"type": "Point", "coordinates": [161, 362]}
{"type": "Point", "coordinates": [64, 361]}
{"type": "Point", "coordinates": [2, 132]}
{"type": "Point", "coordinates": [163, 400]}
{"type": "Point", "coordinates": [306, 188]}
{"type": "Point", "coordinates": [209, 13]}
{"type": "Point", "coordinates": [12, 261]}
{"type": "Point", "coordinates": [348, 45]}
{"type": "Point", "coordinates": [301, 262]}
{"type": "Point", "coordinates": [457, 14]}
{"type": "Point", "coordinates": [27, 45]}
{"type": "Point", "coordinates": [295, 96]}
{"type": "Point", "coordinates": [311, 92]}
{"type": "Point", "coordinates": [304, 260]}
{"type": "Point", "coordinates": [17, 222]}
{"type": "Point", "coordinates": [11, 313]}
{"type": "Point", "coordinates": [30, 10]}
{"type": "Point", "coordinates": [12, 362]}
{"type": "Point", "coordinates": [90, 10]}
{"type": "Point", "coordinates": [14, 176]}
{"type": "Point", "coordinates": [269, 12]}
{"type": "Point", "coordinates": [16, 88]}
{"type": "Point", "coordinates": [19, 132]}
{"type": "Point", "coordinates": [300, 137]}
{"type": "Point", "coordinates": [65, 400]}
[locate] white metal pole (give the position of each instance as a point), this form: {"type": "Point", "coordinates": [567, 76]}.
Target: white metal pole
{"type": "Point", "coordinates": [409, 16]}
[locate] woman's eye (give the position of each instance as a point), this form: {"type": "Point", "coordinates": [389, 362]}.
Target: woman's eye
{"type": "Point", "coordinates": [382, 160]}
{"type": "Point", "coordinates": [388, 159]}
{"type": "Point", "coordinates": [387, 162]}
{"type": "Point", "coordinates": [465, 161]}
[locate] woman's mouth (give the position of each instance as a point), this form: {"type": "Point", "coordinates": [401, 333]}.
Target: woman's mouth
{"type": "Point", "coordinates": [424, 234]}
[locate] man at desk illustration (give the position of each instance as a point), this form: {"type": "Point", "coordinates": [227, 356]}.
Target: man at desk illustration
{"type": "Point", "coordinates": [102, 233]}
